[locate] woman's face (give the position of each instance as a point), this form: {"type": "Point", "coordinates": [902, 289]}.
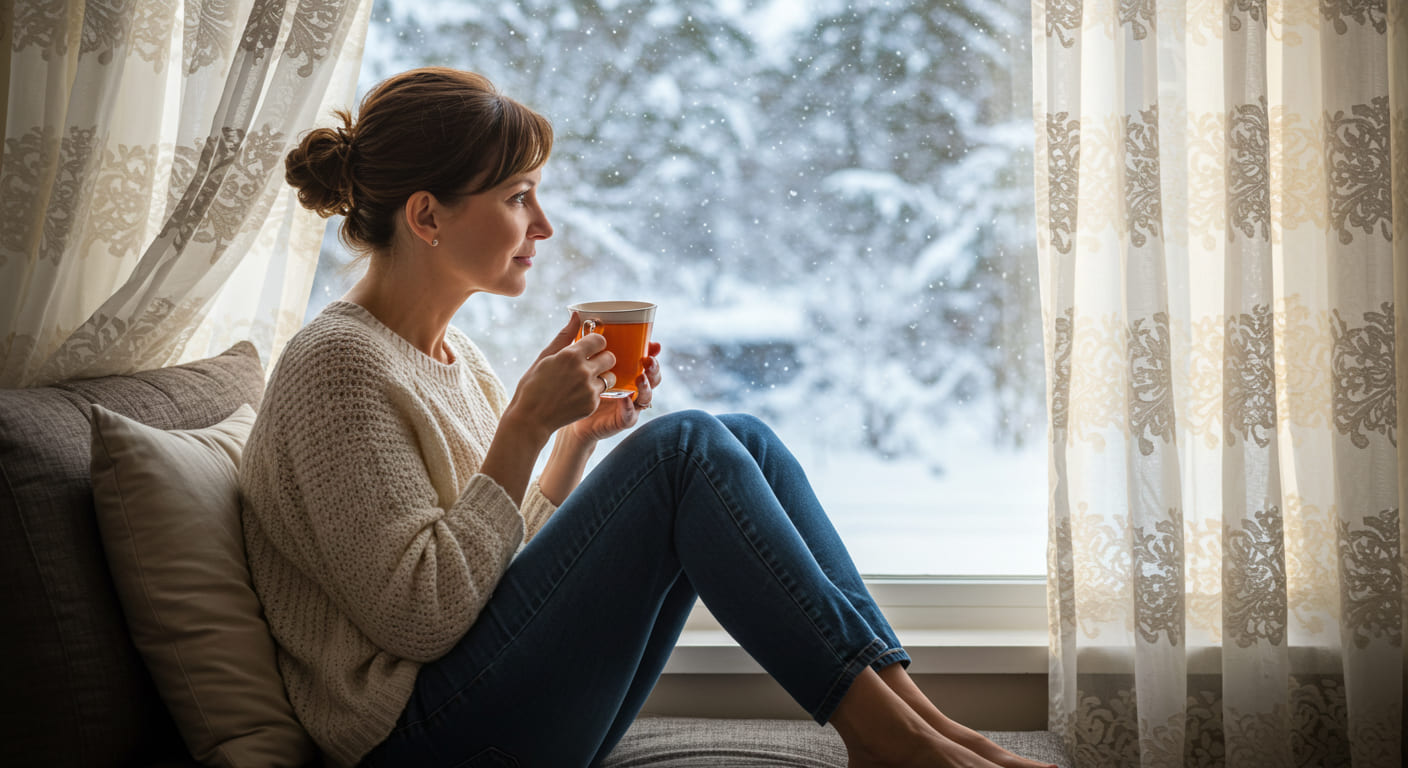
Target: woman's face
{"type": "Point", "coordinates": [492, 236]}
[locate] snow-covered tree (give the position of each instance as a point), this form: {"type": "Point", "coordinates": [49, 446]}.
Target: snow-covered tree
{"type": "Point", "coordinates": [831, 199]}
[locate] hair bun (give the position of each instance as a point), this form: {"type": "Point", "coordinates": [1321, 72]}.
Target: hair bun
{"type": "Point", "coordinates": [320, 168]}
{"type": "Point", "coordinates": [442, 131]}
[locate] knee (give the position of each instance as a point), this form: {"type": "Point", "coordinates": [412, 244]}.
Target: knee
{"type": "Point", "coordinates": [689, 429]}
{"type": "Point", "coordinates": [695, 430]}
{"type": "Point", "coordinates": [750, 431]}
{"type": "Point", "coordinates": [742, 424]}
{"type": "Point", "coordinates": [677, 424]}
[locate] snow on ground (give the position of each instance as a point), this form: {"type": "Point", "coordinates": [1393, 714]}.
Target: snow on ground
{"type": "Point", "coordinates": [983, 513]}
{"type": "Point", "coordinates": [984, 516]}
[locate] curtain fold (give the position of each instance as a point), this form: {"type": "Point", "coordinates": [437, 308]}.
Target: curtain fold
{"type": "Point", "coordinates": [143, 215]}
{"type": "Point", "coordinates": [1221, 212]}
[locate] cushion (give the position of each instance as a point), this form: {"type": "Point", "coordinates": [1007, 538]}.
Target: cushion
{"type": "Point", "coordinates": [168, 510]}
{"type": "Point", "coordinates": [687, 742]}
{"type": "Point", "coordinates": [76, 691]}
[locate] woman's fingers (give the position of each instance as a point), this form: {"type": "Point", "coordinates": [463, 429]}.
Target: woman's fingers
{"type": "Point", "coordinates": [590, 344]}
{"type": "Point", "coordinates": [644, 393]}
{"type": "Point", "coordinates": [653, 370]}
{"type": "Point", "coordinates": [563, 337]}
{"type": "Point", "coordinates": [595, 359]}
{"type": "Point", "coordinates": [647, 382]}
{"type": "Point", "coordinates": [566, 384]}
{"type": "Point", "coordinates": [601, 362]}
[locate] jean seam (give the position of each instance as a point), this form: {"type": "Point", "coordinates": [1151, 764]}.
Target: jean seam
{"type": "Point", "coordinates": [757, 448]}
{"type": "Point", "coordinates": [899, 654]}
{"type": "Point", "coordinates": [557, 582]}
{"type": "Point", "coordinates": [707, 470]}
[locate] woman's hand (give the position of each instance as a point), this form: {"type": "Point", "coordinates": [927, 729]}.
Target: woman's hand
{"type": "Point", "coordinates": [564, 384]}
{"type": "Point", "coordinates": [614, 415]}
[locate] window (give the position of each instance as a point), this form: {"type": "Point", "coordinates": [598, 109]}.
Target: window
{"type": "Point", "coordinates": [832, 204]}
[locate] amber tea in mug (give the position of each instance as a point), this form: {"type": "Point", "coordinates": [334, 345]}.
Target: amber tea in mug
{"type": "Point", "coordinates": [626, 326]}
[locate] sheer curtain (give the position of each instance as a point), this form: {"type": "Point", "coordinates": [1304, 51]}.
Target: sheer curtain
{"type": "Point", "coordinates": [143, 214]}
{"type": "Point", "coordinates": [1221, 196]}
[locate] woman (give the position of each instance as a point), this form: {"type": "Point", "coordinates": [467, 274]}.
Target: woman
{"type": "Point", "coordinates": [432, 604]}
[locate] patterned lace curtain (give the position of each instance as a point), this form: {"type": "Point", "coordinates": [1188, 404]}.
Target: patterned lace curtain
{"type": "Point", "coordinates": [1223, 195]}
{"type": "Point", "coordinates": [143, 215]}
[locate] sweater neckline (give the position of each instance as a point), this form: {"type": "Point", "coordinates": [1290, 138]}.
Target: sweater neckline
{"type": "Point", "coordinates": [446, 372]}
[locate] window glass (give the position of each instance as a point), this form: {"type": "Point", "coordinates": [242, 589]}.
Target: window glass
{"type": "Point", "coordinates": [832, 204]}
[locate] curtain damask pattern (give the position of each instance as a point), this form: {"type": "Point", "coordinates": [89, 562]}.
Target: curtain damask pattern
{"type": "Point", "coordinates": [143, 214]}
{"type": "Point", "coordinates": [1222, 192]}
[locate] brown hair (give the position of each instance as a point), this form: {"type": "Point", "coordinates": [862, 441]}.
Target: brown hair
{"type": "Point", "coordinates": [434, 129]}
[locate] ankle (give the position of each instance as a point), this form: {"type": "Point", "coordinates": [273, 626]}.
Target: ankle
{"type": "Point", "coordinates": [897, 678]}
{"type": "Point", "coordinates": [874, 721]}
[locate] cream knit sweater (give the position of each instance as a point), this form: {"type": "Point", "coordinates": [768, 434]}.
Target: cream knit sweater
{"type": "Point", "coordinates": [372, 542]}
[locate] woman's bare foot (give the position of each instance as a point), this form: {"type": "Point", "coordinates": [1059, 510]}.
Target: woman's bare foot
{"type": "Point", "coordinates": [899, 681]}
{"type": "Point", "coordinates": [882, 731]}
{"type": "Point", "coordinates": [984, 747]}
{"type": "Point", "coordinates": [935, 751]}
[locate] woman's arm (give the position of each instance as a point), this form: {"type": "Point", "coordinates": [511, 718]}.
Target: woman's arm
{"type": "Point", "coordinates": [521, 436]}
{"type": "Point", "coordinates": [561, 387]}
{"type": "Point", "coordinates": [566, 464]}
{"type": "Point", "coordinates": [576, 442]}
{"type": "Point", "coordinates": [513, 453]}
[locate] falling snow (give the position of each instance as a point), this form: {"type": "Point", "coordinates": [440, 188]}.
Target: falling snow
{"type": "Point", "coordinates": [832, 204]}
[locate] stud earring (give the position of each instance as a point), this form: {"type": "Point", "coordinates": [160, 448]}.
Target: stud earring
{"type": "Point", "coordinates": [434, 243]}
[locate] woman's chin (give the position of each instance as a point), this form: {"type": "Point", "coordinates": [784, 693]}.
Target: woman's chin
{"type": "Point", "coordinates": [508, 288]}
{"type": "Point", "coordinates": [512, 291]}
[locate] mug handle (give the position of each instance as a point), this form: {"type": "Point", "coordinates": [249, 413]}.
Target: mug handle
{"type": "Point", "coordinates": [590, 326]}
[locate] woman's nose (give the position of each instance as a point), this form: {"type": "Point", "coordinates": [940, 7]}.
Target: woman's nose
{"type": "Point", "coordinates": [541, 228]}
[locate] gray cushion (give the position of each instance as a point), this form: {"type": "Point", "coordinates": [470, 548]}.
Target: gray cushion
{"type": "Point", "coordinates": [682, 742]}
{"type": "Point", "coordinates": [76, 691]}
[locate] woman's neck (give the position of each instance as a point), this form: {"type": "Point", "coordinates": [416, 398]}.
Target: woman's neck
{"type": "Point", "coordinates": [413, 308]}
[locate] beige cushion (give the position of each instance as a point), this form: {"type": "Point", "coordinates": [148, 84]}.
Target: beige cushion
{"type": "Point", "coordinates": [169, 516]}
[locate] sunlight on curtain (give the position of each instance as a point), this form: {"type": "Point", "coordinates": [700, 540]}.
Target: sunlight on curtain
{"type": "Point", "coordinates": [143, 216]}
{"type": "Point", "coordinates": [1225, 566]}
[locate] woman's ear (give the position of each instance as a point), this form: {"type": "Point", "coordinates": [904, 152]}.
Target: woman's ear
{"type": "Point", "coordinates": [422, 221]}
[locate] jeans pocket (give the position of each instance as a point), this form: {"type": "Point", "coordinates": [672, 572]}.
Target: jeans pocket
{"type": "Point", "coordinates": [490, 758]}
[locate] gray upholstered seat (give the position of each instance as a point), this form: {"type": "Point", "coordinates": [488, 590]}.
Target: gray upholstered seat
{"type": "Point", "coordinates": [678, 742]}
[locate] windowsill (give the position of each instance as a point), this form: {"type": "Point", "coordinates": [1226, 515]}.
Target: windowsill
{"type": "Point", "coordinates": [949, 626]}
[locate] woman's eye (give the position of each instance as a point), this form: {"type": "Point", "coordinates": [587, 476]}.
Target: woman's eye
{"type": "Point", "coordinates": [521, 198]}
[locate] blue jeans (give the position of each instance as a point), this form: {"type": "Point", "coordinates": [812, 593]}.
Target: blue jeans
{"type": "Point", "coordinates": [564, 654]}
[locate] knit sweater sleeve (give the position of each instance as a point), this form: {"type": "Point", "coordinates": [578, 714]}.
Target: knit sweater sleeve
{"type": "Point", "coordinates": [410, 564]}
{"type": "Point", "coordinates": [536, 510]}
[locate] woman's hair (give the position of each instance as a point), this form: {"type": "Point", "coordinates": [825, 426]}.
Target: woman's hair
{"type": "Point", "coordinates": [434, 129]}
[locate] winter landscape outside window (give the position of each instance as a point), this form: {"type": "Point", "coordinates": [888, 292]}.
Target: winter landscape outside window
{"type": "Point", "coordinates": [832, 204]}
